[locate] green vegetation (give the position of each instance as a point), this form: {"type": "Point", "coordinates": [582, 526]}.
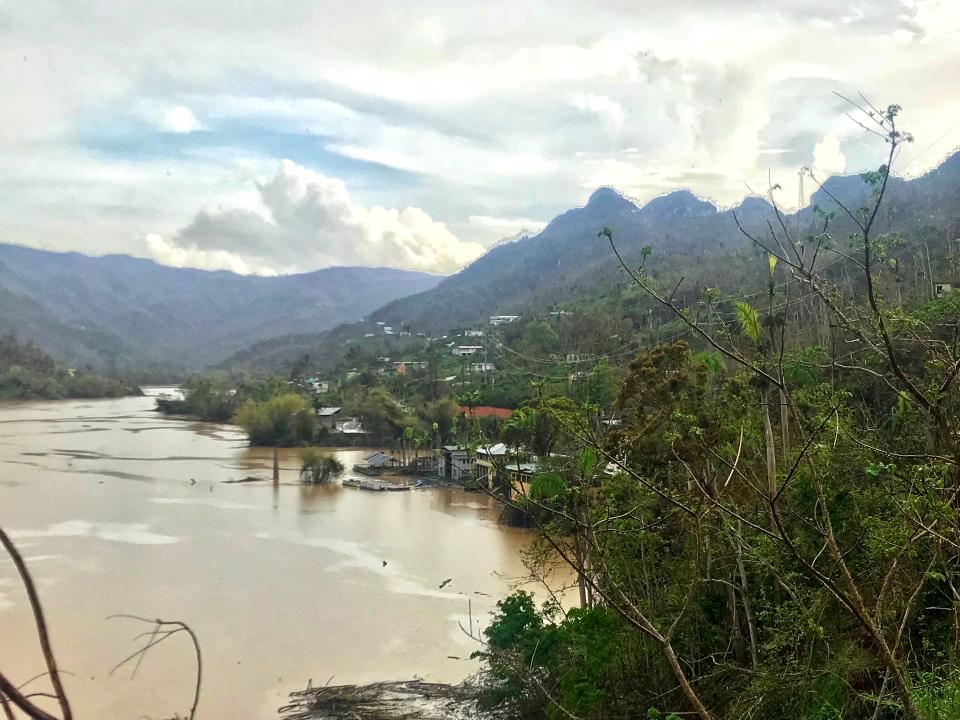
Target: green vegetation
{"type": "Point", "coordinates": [771, 529]}
{"type": "Point", "coordinates": [284, 420]}
{"type": "Point", "coordinates": [27, 372]}
{"type": "Point", "coordinates": [218, 396]}
{"type": "Point", "coordinates": [318, 467]}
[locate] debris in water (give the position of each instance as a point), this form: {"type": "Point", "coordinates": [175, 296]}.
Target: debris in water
{"type": "Point", "coordinates": [403, 700]}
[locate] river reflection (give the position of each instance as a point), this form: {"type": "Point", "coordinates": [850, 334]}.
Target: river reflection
{"type": "Point", "coordinates": [119, 510]}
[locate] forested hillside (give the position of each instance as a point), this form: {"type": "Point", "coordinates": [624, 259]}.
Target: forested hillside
{"type": "Point", "coordinates": [118, 312]}
{"type": "Point", "coordinates": [26, 372]}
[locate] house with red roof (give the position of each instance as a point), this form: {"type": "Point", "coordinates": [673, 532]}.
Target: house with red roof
{"type": "Point", "coordinates": [485, 411]}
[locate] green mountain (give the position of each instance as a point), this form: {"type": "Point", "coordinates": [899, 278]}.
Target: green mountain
{"type": "Point", "coordinates": [689, 237]}
{"type": "Point", "coordinates": [119, 312]}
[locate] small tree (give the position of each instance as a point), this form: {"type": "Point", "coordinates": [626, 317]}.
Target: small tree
{"type": "Point", "coordinates": [318, 467]}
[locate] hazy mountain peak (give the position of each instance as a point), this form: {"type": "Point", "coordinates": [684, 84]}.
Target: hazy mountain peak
{"type": "Point", "coordinates": [753, 204]}
{"type": "Point", "coordinates": [609, 200]}
{"type": "Point", "coordinates": [679, 203]}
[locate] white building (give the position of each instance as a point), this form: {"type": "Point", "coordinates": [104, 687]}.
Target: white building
{"type": "Point", "coordinates": [482, 367]}
{"type": "Point", "coordinates": [503, 319]}
{"type": "Point", "coordinates": [464, 350]}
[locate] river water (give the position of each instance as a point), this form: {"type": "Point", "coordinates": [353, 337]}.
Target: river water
{"type": "Point", "coordinates": [120, 510]}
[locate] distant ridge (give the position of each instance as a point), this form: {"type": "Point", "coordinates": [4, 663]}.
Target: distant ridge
{"type": "Point", "coordinates": [117, 311]}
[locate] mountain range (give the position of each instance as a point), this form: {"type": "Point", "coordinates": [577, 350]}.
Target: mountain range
{"type": "Point", "coordinates": [119, 312]}
{"type": "Point", "coordinates": [122, 311]}
{"type": "Point", "coordinates": [690, 238]}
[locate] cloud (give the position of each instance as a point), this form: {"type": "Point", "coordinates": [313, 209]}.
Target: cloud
{"type": "Point", "coordinates": [109, 137]}
{"type": "Point", "coordinates": [305, 220]}
{"type": "Point", "coordinates": [828, 158]}
{"type": "Point", "coordinates": [507, 226]}
{"type": "Point", "coordinates": [180, 119]}
{"type": "Point", "coordinates": [603, 107]}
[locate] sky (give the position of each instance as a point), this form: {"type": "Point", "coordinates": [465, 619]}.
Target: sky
{"type": "Point", "coordinates": [284, 136]}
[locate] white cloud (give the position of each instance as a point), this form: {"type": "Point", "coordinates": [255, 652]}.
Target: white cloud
{"type": "Point", "coordinates": [828, 158]}
{"type": "Point", "coordinates": [517, 112]}
{"type": "Point", "coordinates": [606, 109]}
{"type": "Point", "coordinates": [180, 119]}
{"type": "Point", "coordinates": [167, 252]}
{"type": "Point", "coordinates": [308, 220]}
{"type": "Point", "coordinates": [507, 226]}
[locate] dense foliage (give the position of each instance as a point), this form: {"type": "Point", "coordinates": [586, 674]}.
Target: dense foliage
{"type": "Point", "coordinates": [318, 467]}
{"type": "Point", "coordinates": [27, 372]}
{"type": "Point", "coordinates": [771, 529]}
{"type": "Point", "coordinates": [283, 420]}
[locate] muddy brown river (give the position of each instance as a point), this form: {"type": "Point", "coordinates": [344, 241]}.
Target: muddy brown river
{"type": "Point", "coordinates": [120, 510]}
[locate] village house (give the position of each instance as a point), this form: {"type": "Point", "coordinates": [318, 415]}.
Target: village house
{"type": "Point", "coordinates": [351, 426]}
{"type": "Point", "coordinates": [327, 417]}
{"type": "Point", "coordinates": [505, 470]}
{"type": "Point", "coordinates": [473, 333]}
{"type": "Point", "coordinates": [519, 475]}
{"type": "Point", "coordinates": [485, 411]}
{"type": "Point", "coordinates": [464, 350]}
{"type": "Point", "coordinates": [490, 458]}
{"type": "Point", "coordinates": [455, 463]}
{"type": "Point", "coordinates": [482, 367]}
{"type": "Point", "coordinates": [317, 386]}
{"type": "Point", "coordinates": [503, 319]}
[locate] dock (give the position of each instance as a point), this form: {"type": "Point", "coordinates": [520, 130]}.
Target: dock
{"type": "Point", "coordinates": [374, 484]}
